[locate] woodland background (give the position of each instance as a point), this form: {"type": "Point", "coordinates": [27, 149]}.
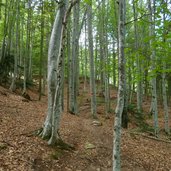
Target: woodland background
{"type": "Point", "coordinates": [105, 46]}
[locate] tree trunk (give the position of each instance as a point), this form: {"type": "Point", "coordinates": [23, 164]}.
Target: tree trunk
{"type": "Point", "coordinates": [85, 55]}
{"type": "Point", "coordinates": [139, 83]}
{"type": "Point", "coordinates": [121, 91]}
{"type": "Point", "coordinates": [69, 67]}
{"type": "Point", "coordinates": [74, 61]}
{"type": "Point", "coordinates": [41, 50]}
{"type": "Point", "coordinates": [13, 84]}
{"type": "Point", "coordinates": [114, 64]}
{"type": "Point", "coordinates": [91, 56]}
{"type": "Point", "coordinates": [165, 101]}
{"type": "Point", "coordinates": [153, 81]}
{"type": "Point", "coordinates": [55, 65]}
{"type": "Point", "coordinates": [56, 74]}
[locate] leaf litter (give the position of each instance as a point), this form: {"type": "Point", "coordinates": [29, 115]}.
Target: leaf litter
{"type": "Point", "coordinates": [20, 151]}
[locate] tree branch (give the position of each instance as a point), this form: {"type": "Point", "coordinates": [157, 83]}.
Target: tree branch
{"type": "Point", "coordinates": [150, 137]}
{"type": "Point", "coordinates": [82, 23]}
{"type": "Point", "coordinates": [69, 11]}
{"type": "Point", "coordinates": [137, 19]}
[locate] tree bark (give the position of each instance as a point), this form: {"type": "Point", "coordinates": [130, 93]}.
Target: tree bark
{"type": "Point", "coordinates": [74, 61]}
{"type": "Point", "coordinates": [139, 83]}
{"type": "Point", "coordinates": [55, 65]}
{"type": "Point", "coordinates": [56, 74]}
{"type": "Point", "coordinates": [165, 101]}
{"type": "Point", "coordinates": [13, 84]}
{"type": "Point", "coordinates": [41, 50]}
{"type": "Point", "coordinates": [153, 80]}
{"type": "Point", "coordinates": [120, 102]}
{"type": "Point", "coordinates": [91, 56]}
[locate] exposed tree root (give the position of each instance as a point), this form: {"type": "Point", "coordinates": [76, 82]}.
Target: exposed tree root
{"type": "Point", "coordinates": [32, 133]}
{"type": "Point", "coordinates": [59, 143]}
{"type": "Point", "coordinates": [64, 146]}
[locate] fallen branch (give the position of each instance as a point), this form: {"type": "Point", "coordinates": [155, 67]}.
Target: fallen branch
{"type": "Point", "coordinates": [150, 137]}
{"type": "Point", "coordinates": [7, 143]}
{"type": "Point", "coordinates": [13, 107]}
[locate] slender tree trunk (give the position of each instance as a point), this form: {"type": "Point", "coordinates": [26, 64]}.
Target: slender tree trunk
{"type": "Point", "coordinates": [41, 50]}
{"type": "Point", "coordinates": [165, 101]}
{"type": "Point", "coordinates": [121, 91]}
{"type": "Point", "coordinates": [139, 83]}
{"type": "Point", "coordinates": [106, 61]}
{"type": "Point", "coordinates": [102, 51]}
{"type": "Point", "coordinates": [27, 57]}
{"type": "Point", "coordinates": [153, 81]}
{"type": "Point", "coordinates": [85, 54]}
{"type": "Point", "coordinates": [11, 24]}
{"type": "Point", "coordinates": [21, 60]}
{"type": "Point", "coordinates": [13, 84]}
{"type": "Point", "coordinates": [91, 56]}
{"type": "Point", "coordinates": [69, 67]}
{"type": "Point", "coordinates": [114, 64]}
{"type": "Point", "coordinates": [2, 57]}
{"type": "Point", "coordinates": [74, 61]}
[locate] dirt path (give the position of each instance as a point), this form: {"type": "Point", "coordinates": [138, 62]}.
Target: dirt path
{"type": "Point", "coordinates": [93, 144]}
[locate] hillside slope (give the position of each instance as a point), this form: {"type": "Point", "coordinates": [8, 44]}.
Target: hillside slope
{"type": "Point", "coordinates": [20, 151]}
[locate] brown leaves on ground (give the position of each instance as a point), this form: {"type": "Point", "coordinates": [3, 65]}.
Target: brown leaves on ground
{"type": "Point", "coordinates": [93, 144]}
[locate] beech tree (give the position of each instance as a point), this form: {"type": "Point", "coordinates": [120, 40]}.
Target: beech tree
{"type": "Point", "coordinates": [73, 84]}
{"type": "Point", "coordinates": [151, 7]}
{"type": "Point", "coordinates": [91, 56]}
{"type": "Point", "coordinates": [13, 83]}
{"type": "Point", "coordinates": [41, 50]}
{"type": "Point", "coordinates": [165, 100]}
{"type": "Point", "coordinates": [55, 76]}
{"type": "Point", "coordinates": [139, 82]}
{"type": "Point", "coordinates": [121, 89]}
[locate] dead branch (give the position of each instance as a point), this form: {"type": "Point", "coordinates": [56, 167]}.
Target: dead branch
{"type": "Point", "coordinates": [150, 137]}
{"type": "Point", "coordinates": [7, 143]}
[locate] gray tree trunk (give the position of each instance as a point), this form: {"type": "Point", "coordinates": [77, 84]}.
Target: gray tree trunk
{"type": "Point", "coordinates": [73, 106]}
{"type": "Point", "coordinates": [55, 65]}
{"type": "Point", "coordinates": [139, 83]}
{"type": "Point", "coordinates": [56, 74]}
{"type": "Point", "coordinates": [91, 56]}
{"type": "Point", "coordinates": [114, 64]}
{"type": "Point", "coordinates": [41, 50]}
{"type": "Point", "coordinates": [27, 54]}
{"type": "Point", "coordinates": [69, 66]}
{"type": "Point", "coordinates": [13, 84]}
{"type": "Point", "coordinates": [153, 81]}
{"type": "Point", "coordinates": [120, 102]}
{"type": "Point", "coordinates": [106, 61]}
{"type": "Point", "coordinates": [165, 101]}
{"type": "Point", "coordinates": [85, 54]}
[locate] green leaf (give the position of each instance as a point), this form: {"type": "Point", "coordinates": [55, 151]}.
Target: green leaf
{"type": "Point", "coordinates": [87, 2]}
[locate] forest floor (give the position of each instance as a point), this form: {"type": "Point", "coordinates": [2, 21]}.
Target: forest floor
{"type": "Point", "coordinates": [21, 151]}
